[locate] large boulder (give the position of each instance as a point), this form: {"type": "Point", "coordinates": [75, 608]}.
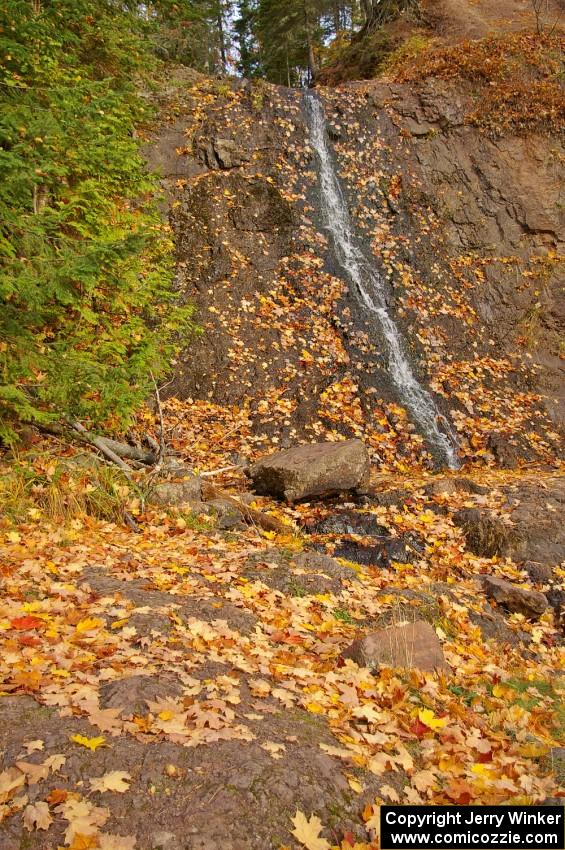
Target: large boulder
{"type": "Point", "coordinates": [414, 645]}
{"type": "Point", "coordinates": [316, 469]}
{"type": "Point", "coordinates": [531, 603]}
{"type": "Point", "coordinates": [532, 528]}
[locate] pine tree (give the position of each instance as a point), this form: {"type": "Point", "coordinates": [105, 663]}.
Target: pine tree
{"type": "Point", "coordinates": [85, 262]}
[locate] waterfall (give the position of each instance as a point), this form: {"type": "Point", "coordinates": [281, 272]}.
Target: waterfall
{"type": "Point", "coordinates": [369, 288]}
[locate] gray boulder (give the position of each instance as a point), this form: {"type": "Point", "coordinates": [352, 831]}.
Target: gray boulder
{"type": "Point", "coordinates": [316, 469]}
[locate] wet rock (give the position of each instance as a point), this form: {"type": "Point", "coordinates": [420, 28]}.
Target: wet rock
{"type": "Point", "coordinates": [223, 153]}
{"type": "Point", "coordinates": [405, 549]}
{"type": "Point", "coordinates": [183, 492]}
{"type": "Point", "coordinates": [350, 522]}
{"type": "Point", "coordinates": [316, 469]}
{"type": "Point", "coordinates": [389, 498]}
{"type": "Point", "coordinates": [414, 645]}
{"type": "Point", "coordinates": [228, 153]}
{"type": "Point", "coordinates": [556, 598]}
{"type": "Point", "coordinates": [537, 512]}
{"type": "Point", "coordinates": [261, 208]}
{"type": "Point", "coordinates": [534, 531]}
{"type": "Point", "coordinates": [531, 603]}
{"type": "Point", "coordinates": [494, 627]}
{"type": "Point", "coordinates": [485, 533]}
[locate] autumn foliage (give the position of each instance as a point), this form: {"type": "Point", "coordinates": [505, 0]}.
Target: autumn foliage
{"type": "Point", "coordinates": [514, 79]}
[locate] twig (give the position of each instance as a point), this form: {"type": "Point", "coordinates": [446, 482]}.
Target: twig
{"type": "Point", "coordinates": [131, 523]}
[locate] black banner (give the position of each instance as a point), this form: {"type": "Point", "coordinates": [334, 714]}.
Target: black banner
{"type": "Point", "coordinates": [473, 827]}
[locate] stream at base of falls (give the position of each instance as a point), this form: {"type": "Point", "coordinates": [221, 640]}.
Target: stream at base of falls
{"type": "Point", "coordinates": [369, 288]}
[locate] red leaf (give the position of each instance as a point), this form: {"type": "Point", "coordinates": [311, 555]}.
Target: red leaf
{"type": "Point", "coordinates": [27, 622]}
{"type": "Point", "coordinates": [29, 640]}
{"type": "Point", "coordinates": [418, 728]}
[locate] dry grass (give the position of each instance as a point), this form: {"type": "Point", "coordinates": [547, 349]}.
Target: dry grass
{"type": "Point", "coordinates": [62, 489]}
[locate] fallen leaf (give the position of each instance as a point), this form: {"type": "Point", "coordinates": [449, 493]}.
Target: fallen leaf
{"type": "Point", "coordinates": [428, 718]}
{"type": "Point", "coordinates": [89, 743]}
{"type": "Point", "coordinates": [10, 781]}
{"type": "Point", "coordinates": [37, 816]}
{"type": "Point", "coordinates": [308, 832]}
{"type": "Point", "coordinates": [27, 622]}
{"type": "Point", "coordinates": [115, 780]}
{"type": "Point", "coordinates": [89, 624]}
{"type": "Point", "coordinates": [32, 746]}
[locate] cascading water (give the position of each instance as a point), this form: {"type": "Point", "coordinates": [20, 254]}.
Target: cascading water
{"type": "Point", "coordinates": [370, 289]}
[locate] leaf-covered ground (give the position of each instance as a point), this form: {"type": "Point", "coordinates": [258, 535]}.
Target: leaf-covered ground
{"type": "Point", "coordinates": [161, 687]}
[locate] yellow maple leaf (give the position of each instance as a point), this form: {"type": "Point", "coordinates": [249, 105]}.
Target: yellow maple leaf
{"type": "Point", "coordinates": [89, 624]}
{"type": "Point", "coordinates": [82, 842]}
{"type": "Point", "coordinates": [428, 718]}
{"type": "Point", "coordinates": [308, 832]}
{"type": "Point", "coordinates": [115, 780]}
{"type": "Point", "coordinates": [89, 743]}
{"type": "Point", "coordinates": [354, 784]}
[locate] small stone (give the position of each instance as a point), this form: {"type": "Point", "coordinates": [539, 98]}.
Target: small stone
{"type": "Point", "coordinates": [531, 603]}
{"type": "Point", "coordinates": [414, 645]}
{"type": "Point", "coordinates": [177, 492]}
{"type": "Point", "coordinates": [539, 573]}
{"type": "Point", "coordinates": [320, 563]}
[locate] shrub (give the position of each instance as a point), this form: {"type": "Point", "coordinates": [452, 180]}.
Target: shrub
{"type": "Point", "coordinates": [85, 261]}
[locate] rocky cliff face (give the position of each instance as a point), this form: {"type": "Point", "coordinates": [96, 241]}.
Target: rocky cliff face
{"type": "Point", "coordinates": [465, 226]}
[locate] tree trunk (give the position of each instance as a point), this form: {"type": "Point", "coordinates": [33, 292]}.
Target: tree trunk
{"type": "Point", "coordinates": [221, 37]}
{"type": "Point", "coordinates": [312, 64]}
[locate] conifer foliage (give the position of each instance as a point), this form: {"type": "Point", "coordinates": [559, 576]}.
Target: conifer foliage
{"type": "Point", "coordinates": [85, 261]}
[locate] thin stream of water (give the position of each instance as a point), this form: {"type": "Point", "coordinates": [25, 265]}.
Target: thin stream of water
{"type": "Point", "coordinates": [370, 289]}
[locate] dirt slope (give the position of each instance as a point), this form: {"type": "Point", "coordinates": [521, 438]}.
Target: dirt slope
{"type": "Point", "coordinates": [455, 20]}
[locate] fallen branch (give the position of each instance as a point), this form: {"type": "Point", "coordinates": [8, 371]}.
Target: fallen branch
{"type": "Point", "coordinates": [124, 450]}
{"type": "Point", "coordinates": [100, 444]}
{"type": "Point", "coordinates": [265, 521]}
